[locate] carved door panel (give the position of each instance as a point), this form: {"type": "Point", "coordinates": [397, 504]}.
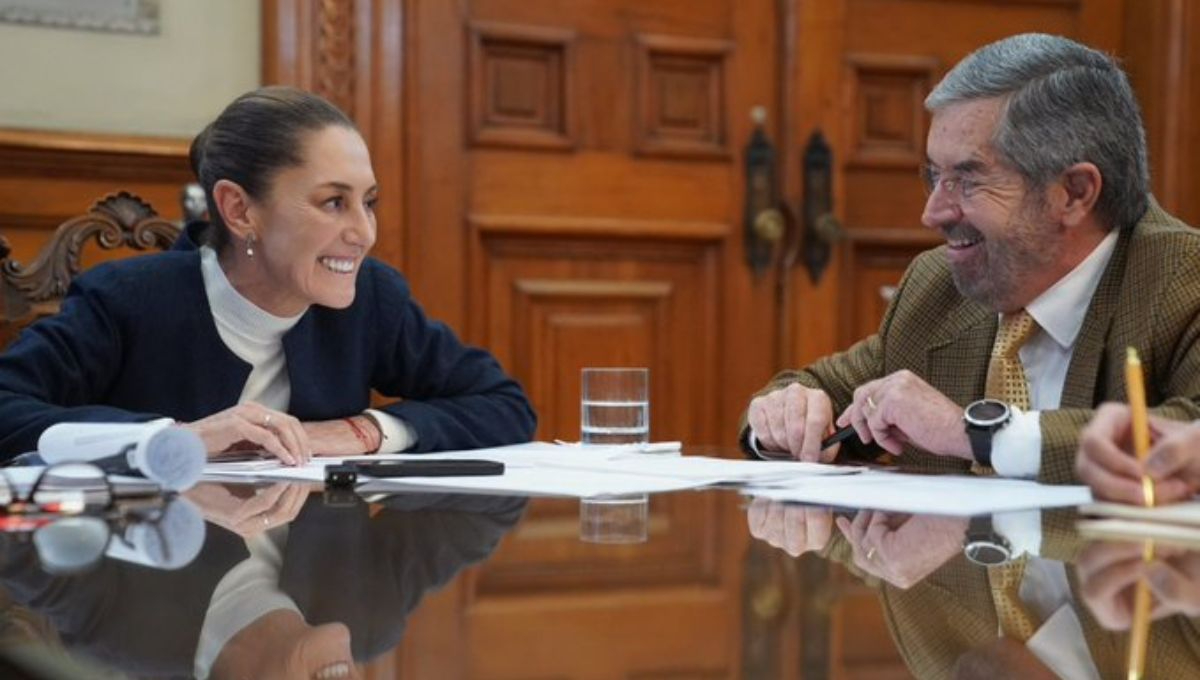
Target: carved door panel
{"type": "Point", "coordinates": [576, 200]}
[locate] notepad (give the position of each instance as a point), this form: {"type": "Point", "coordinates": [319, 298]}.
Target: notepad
{"type": "Point", "coordinates": [1177, 513]}
{"type": "Point", "coordinates": [1115, 529]}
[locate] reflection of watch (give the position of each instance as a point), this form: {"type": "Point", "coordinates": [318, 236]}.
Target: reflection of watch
{"type": "Point", "coordinates": [983, 545]}
{"type": "Point", "coordinates": [983, 418]}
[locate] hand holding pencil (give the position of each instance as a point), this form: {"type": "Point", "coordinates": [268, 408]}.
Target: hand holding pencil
{"type": "Point", "coordinates": [1107, 463]}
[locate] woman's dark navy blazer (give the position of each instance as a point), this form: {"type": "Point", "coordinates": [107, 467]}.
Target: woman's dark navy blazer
{"type": "Point", "coordinates": [136, 340]}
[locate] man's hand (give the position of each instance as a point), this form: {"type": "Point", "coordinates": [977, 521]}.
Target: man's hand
{"type": "Point", "coordinates": [900, 409]}
{"type": "Point", "coordinates": [793, 419]}
{"type": "Point", "coordinates": [902, 549]}
{"type": "Point", "coordinates": [795, 529]}
{"type": "Point", "coordinates": [1107, 464]}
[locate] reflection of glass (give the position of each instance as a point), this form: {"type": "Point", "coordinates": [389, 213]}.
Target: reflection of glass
{"type": "Point", "coordinates": [615, 407]}
{"type": "Point", "coordinates": [614, 519]}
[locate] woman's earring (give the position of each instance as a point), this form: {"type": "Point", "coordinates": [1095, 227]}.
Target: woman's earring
{"type": "Point", "coordinates": [250, 245]}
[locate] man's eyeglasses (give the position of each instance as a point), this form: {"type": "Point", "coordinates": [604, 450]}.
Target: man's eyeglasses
{"type": "Point", "coordinates": [959, 186]}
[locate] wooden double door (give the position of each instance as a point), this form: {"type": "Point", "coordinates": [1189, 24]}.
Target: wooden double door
{"type": "Point", "coordinates": [565, 183]}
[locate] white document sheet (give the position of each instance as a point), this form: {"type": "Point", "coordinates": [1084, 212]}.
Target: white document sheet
{"type": "Point", "coordinates": [540, 468]}
{"type": "Point", "coordinates": [958, 495]}
{"type": "Point", "coordinates": [519, 478]}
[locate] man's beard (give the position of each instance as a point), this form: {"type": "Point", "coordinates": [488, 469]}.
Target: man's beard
{"type": "Point", "coordinates": [997, 274]}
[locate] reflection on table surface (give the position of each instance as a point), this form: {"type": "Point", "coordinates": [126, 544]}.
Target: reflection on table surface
{"type": "Point", "coordinates": [949, 613]}
{"type": "Point", "coordinates": [290, 580]}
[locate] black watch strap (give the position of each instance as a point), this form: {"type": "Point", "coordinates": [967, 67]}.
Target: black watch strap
{"type": "Point", "coordinates": [981, 444]}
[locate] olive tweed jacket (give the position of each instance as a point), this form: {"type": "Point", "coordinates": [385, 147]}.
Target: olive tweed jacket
{"type": "Point", "coordinates": [1148, 298]}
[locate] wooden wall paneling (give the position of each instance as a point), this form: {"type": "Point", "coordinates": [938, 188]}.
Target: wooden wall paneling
{"type": "Point", "coordinates": [521, 84]}
{"type": "Point", "coordinates": [651, 285]}
{"type": "Point", "coordinates": [813, 47]}
{"type": "Point", "coordinates": [287, 42]}
{"type": "Point", "coordinates": [317, 45]}
{"type": "Point", "coordinates": [352, 53]}
{"type": "Point", "coordinates": [562, 293]}
{"type": "Point", "coordinates": [875, 261]}
{"type": "Point", "coordinates": [887, 95]}
{"type": "Point", "coordinates": [1160, 72]}
{"type": "Point", "coordinates": [608, 253]}
{"type": "Point", "coordinates": [681, 103]}
{"type": "Point", "coordinates": [435, 159]}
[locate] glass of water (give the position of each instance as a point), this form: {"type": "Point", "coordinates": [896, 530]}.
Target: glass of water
{"type": "Point", "coordinates": [615, 406]}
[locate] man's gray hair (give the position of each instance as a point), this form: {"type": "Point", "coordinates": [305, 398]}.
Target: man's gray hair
{"type": "Point", "coordinates": [1065, 103]}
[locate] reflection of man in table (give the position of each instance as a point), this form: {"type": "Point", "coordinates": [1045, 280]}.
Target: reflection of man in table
{"type": "Point", "coordinates": [998, 345]}
{"type": "Point", "coordinates": [939, 607]}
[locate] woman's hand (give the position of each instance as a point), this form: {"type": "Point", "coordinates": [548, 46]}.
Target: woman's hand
{"type": "Point", "coordinates": [353, 436]}
{"type": "Point", "coordinates": [254, 426]}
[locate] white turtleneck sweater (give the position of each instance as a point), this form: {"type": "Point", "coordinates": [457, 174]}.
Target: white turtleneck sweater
{"type": "Point", "coordinates": [256, 337]}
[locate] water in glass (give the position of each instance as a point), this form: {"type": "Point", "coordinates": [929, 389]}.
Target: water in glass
{"type": "Point", "coordinates": [615, 422]}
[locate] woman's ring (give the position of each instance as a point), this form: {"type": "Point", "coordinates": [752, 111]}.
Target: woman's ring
{"type": "Point", "coordinates": [267, 420]}
{"type": "Point", "coordinates": [870, 403]}
{"type": "Point", "coordinates": [267, 522]}
{"type": "Point", "coordinates": [871, 554]}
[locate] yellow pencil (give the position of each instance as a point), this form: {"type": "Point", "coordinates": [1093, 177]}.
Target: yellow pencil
{"type": "Point", "coordinates": [1136, 391]}
{"type": "Point", "coordinates": [1140, 631]}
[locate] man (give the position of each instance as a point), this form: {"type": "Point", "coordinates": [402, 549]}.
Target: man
{"type": "Point", "coordinates": [1038, 181]}
{"type": "Point", "coordinates": [999, 345]}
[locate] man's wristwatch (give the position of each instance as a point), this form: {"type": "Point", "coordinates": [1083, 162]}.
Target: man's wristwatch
{"type": "Point", "coordinates": [983, 545]}
{"type": "Point", "coordinates": [983, 419]}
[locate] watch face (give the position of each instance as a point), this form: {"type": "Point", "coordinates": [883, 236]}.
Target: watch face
{"type": "Point", "coordinates": [987, 412]}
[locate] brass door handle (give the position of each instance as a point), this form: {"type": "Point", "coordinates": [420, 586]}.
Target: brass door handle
{"type": "Point", "coordinates": [828, 228]}
{"type": "Point", "coordinates": [769, 225]}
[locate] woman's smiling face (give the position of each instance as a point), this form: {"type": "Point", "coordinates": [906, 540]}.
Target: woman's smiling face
{"type": "Point", "coordinates": [315, 225]}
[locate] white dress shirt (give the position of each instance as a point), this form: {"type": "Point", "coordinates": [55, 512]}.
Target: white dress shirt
{"type": "Point", "coordinates": [1046, 356]}
{"type": "Point", "coordinates": [1017, 452]}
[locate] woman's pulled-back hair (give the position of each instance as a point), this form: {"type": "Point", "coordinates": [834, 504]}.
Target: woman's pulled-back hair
{"type": "Point", "coordinates": [254, 138]}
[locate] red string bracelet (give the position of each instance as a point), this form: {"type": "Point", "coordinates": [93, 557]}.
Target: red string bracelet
{"type": "Point", "coordinates": [362, 436]}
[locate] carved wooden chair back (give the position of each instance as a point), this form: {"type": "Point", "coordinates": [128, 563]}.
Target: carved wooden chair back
{"type": "Point", "coordinates": [120, 220]}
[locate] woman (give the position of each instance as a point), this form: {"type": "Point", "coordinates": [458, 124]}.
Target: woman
{"type": "Point", "coordinates": [269, 328]}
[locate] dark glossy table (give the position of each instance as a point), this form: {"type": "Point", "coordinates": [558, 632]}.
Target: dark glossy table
{"type": "Point", "coordinates": [287, 580]}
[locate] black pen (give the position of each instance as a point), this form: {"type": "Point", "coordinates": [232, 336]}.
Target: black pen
{"type": "Point", "coordinates": [838, 437]}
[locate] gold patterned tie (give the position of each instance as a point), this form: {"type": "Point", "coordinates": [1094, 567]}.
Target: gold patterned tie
{"type": "Point", "coordinates": [1005, 376]}
{"type": "Point", "coordinates": [1006, 382]}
